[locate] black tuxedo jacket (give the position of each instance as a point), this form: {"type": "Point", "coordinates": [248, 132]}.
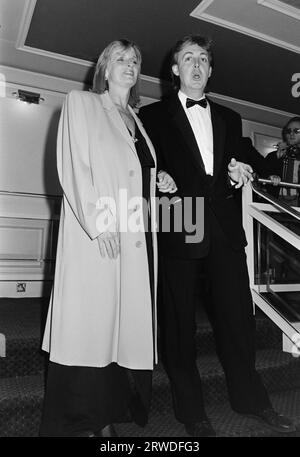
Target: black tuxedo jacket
{"type": "Point", "coordinates": [178, 154]}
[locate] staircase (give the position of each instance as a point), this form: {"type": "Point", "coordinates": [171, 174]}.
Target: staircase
{"type": "Point", "coordinates": [22, 379]}
{"type": "Point", "coordinates": [22, 370]}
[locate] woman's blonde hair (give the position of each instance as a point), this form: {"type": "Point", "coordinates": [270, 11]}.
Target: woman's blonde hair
{"type": "Point", "coordinates": [100, 83]}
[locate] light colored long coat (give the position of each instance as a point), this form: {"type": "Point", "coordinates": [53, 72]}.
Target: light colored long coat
{"type": "Point", "coordinates": [100, 309]}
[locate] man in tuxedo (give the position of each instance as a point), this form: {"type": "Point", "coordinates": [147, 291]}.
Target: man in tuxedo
{"type": "Point", "coordinates": [195, 141]}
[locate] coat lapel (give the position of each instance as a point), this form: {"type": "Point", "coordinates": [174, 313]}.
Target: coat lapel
{"type": "Point", "coordinates": [116, 119]}
{"type": "Point", "coordinates": [179, 118]}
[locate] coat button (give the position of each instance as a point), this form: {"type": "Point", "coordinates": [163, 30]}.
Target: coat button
{"type": "Point", "coordinates": [138, 244]}
{"type": "Point", "coordinates": [131, 173]}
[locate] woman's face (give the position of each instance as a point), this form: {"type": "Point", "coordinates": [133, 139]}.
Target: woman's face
{"type": "Point", "coordinates": [123, 68]}
{"type": "Point", "coordinates": [292, 133]}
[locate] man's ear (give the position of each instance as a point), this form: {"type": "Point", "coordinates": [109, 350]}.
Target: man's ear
{"type": "Point", "coordinates": [175, 69]}
{"type": "Point", "coordinates": [210, 72]}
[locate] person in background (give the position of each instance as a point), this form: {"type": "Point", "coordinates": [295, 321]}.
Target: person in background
{"type": "Point", "coordinates": [284, 163]}
{"type": "Point", "coordinates": [196, 142]}
{"type": "Point", "coordinates": [253, 157]}
{"type": "Point", "coordinates": [101, 326]}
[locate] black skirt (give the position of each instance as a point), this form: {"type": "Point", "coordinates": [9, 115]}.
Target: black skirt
{"type": "Point", "coordinates": [80, 399]}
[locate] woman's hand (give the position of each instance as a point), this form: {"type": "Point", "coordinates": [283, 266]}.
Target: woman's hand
{"type": "Point", "coordinates": [109, 243]}
{"type": "Point", "coordinates": [165, 182]}
{"type": "Point", "coordinates": [240, 173]}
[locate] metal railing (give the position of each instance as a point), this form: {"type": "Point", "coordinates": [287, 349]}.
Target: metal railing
{"type": "Point", "coordinates": [281, 184]}
{"type": "Point", "coordinates": [265, 225]}
{"type": "Point", "coordinates": [281, 205]}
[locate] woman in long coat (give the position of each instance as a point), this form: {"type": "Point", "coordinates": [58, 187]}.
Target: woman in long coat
{"type": "Point", "coordinates": [101, 325]}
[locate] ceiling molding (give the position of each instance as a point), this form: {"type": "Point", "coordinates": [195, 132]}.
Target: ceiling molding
{"type": "Point", "coordinates": [281, 7]}
{"type": "Point", "coordinates": [253, 111]}
{"type": "Point", "coordinates": [150, 91]}
{"type": "Point", "coordinates": [151, 88]}
{"type": "Point", "coordinates": [30, 79]}
{"type": "Point", "coordinates": [54, 55]}
{"type": "Point", "coordinates": [201, 7]}
{"type": "Point", "coordinates": [199, 13]}
{"type": "Point", "coordinates": [25, 23]}
{"type": "Point", "coordinates": [23, 32]}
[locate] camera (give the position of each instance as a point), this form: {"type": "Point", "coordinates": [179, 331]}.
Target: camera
{"type": "Point", "coordinates": [293, 151]}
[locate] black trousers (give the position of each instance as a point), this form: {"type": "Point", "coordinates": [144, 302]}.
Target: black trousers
{"type": "Point", "coordinates": [230, 309]}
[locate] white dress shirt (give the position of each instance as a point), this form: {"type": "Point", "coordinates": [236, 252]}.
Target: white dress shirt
{"type": "Point", "coordinates": [200, 121]}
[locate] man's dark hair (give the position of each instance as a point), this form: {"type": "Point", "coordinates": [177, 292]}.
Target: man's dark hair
{"type": "Point", "coordinates": [203, 42]}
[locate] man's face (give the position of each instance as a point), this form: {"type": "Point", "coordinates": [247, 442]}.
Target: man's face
{"type": "Point", "coordinates": [292, 133]}
{"type": "Point", "coordinates": [193, 69]}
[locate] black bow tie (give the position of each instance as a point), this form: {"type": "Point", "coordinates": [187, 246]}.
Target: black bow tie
{"type": "Point", "coordinates": [190, 102]}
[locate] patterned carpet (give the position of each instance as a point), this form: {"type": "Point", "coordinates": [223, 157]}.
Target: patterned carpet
{"type": "Point", "coordinates": [22, 379]}
{"type": "Point", "coordinates": [226, 422]}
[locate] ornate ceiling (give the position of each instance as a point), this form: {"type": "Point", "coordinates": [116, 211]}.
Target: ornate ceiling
{"type": "Point", "coordinates": [257, 42]}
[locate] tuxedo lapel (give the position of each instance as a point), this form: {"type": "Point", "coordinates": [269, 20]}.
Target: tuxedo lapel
{"type": "Point", "coordinates": [182, 124]}
{"type": "Point", "coordinates": [218, 127]}
{"type": "Point", "coordinates": [139, 125]}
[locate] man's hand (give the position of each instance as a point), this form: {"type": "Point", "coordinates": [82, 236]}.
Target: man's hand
{"type": "Point", "coordinates": [109, 243]}
{"type": "Point", "coordinates": [275, 180]}
{"type": "Point", "coordinates": [166, 183]}
{"type": "Point", "coordinates": [281, 149]}
{"type": "Point", "coordinates": [240, 173]}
